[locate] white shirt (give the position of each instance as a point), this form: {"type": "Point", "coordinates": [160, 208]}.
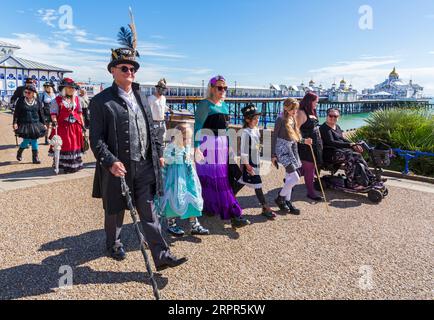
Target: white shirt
{"type": "Point", "coordinates": [130, 99]}
{"type": "Point", "coordinates": [158, 107]}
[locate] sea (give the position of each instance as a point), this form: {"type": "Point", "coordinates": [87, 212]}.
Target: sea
{"type": "Point", "coordinates": [355, 121]}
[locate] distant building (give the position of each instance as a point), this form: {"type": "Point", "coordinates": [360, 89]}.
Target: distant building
{"type": "Point", "coordinates": [14, 70]}
{"type": "Point", "coordinates": [342, 94]}
{"type": "Point", "coordinates": [394, 88]}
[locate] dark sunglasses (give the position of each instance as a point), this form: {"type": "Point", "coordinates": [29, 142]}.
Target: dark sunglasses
{"type": "Point", "coordinates": [220, 88]}
{"type": "Point", "coordinates": [28, 92]}
{"type": "Point", "coordinates": [333, 116]}
{"type": "Point", "coordinates": [125, 69]}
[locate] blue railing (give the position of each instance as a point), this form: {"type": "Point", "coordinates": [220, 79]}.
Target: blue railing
{"type": "Point", "coordinates": [410, 155]}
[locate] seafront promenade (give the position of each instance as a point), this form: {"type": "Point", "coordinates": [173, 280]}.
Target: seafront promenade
{"type": "Point", "coordinates": [356, 251]}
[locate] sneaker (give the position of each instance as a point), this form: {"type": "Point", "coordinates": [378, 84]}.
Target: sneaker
{"type": "Point", "coordinates": [176, 231]}
{"type": "Point", "coordinates": [198, 230]}
{"type": "Point", "coordinates": [239, 222]}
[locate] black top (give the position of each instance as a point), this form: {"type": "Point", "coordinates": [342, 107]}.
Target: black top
{"type": "Point", "coordinates": [310, 129]}
{"type": "Point", "coordinates": [334, 139]}
{"type": "Point", "coordinates": [25, 114]}
{"type": "Point", "coordinates": [216, 122]}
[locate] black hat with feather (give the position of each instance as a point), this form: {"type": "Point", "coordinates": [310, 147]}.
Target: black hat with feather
{"type": "Point", "coordinates": [127, 37]}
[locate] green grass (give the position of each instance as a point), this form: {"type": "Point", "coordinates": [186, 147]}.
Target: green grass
{"type": "Point", "coordinates": [404, 129]}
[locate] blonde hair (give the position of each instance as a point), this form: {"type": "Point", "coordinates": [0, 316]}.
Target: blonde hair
{"type": "Point", "coordinates": [184, 134]}
{"type": "Point", "coordinates": [290, 121]}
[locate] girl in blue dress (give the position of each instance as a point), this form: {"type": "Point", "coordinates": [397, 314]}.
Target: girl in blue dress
{"type": "Point", "coordinates": [182, 190]}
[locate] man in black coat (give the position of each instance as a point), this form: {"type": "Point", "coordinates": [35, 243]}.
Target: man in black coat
{"type": "Point", "coordinates": [124, 141]}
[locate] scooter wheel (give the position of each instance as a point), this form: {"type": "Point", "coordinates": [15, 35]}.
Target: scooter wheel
{"type": "Point", "coordinates": [385, 192]}
{"type": "Point", "coordinates": [375, 196]}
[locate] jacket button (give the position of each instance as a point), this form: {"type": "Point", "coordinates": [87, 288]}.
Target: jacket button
{"type": "Point", "coordinates": [127, 151]}
{"type": "Point", "coordinates": [127, 141]}
{"type": "Point", "coordinates": [127, 132]}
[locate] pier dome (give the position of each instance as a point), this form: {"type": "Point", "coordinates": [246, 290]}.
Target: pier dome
{"type": "Point", "coordinates": [394, 75]}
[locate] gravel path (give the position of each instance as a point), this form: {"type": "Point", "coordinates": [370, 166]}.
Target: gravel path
{"type": "Point", "coordinates": [358, 251]}
{"type": "Point", "coordinates": [314, 256]}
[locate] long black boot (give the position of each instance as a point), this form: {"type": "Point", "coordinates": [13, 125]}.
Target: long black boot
{"type": "Point", "coordinates": [35, 157]}
{"type": "Point", "coordinates": [281, 203]}
{"type": "Point", "coordinates": [20, 154]}
{"type": "Point", "coordinates": [293, 210]}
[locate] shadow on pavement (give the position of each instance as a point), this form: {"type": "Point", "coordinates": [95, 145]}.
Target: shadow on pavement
{"type": "Point", "coordinates": [30, 280]}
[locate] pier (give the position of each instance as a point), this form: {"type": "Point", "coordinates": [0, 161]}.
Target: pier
{"type": "Point", "coordinates": [271, 107]}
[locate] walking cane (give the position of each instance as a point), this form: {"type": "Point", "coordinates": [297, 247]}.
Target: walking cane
{"type": "Point", "coordinates": [16, 140]}
{"type": "Point", "coordinates": [127, 194]}
{"type": "Point", "coordinates": [319, 178]}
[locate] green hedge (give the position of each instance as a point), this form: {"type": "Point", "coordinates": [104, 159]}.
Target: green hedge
{"type": "Point", "coordinates": [404, 129]}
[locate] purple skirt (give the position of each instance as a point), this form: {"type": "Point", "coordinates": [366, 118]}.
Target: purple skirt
{"type": "Point", "coordinates": [213, 174]}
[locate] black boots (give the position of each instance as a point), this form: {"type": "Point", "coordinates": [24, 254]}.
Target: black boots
{"type": "Point", "coordinates": [293, 210]}
{"type": "Point", "coordinates": [35, 157]}
{"type": "Point", "coordinates": [20, 154]}
{"type": "Point", "coordinates": [286, 206]}
{"type": "Point", "coordinates": [281, 203]}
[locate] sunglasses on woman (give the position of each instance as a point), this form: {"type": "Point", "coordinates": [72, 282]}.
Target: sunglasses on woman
{"type": "Point", "coordinates": [125, 69]}
{"type": "Point", "coordinates": [221, 88]}
{"type": "Point", "coordinates": [333, 116]}
{"type": "Point", "coordinates": [28, 92]}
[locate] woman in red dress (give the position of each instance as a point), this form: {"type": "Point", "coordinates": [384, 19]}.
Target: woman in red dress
{"type": "Point", "coordinates": [67, 117]}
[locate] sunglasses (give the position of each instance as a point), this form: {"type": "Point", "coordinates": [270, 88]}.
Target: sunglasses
{"type": "Point", "coordinates": [125, 69]}
{"type": "Point", "coordinates": [333, 116]}
{"type": "Point", "coordinates": [220, 88]}
{"type": "Point", "coordinates": [28, 92]}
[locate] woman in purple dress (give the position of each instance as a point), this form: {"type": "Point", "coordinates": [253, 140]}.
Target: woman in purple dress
{"type": "Point", "coordinates": [212, 155]}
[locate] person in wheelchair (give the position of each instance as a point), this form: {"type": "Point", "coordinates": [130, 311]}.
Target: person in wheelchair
{"type": "Point", "coordinates": [340, 151]}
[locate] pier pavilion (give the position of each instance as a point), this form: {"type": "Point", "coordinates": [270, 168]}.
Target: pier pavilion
{"type": "Point", "coordinates": [14, 70]}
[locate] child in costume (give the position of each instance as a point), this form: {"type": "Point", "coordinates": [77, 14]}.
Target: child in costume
{"type": "Point", "coordinates": [182, 190]}
{"type": "Point", "coordinates": [285, 151]}
{"type": "Point", "coordinates": [250, 156]}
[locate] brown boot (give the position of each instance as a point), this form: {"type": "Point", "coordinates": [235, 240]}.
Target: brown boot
{"type": "Point", "coordinates": [20, 154]}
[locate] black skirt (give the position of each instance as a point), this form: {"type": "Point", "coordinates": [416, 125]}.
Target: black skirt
{"type": "Point", "coordinates": [31, 131]}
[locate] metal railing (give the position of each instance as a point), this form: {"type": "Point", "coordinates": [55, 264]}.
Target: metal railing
{"type": "Point", "coordinates": [410, 155]}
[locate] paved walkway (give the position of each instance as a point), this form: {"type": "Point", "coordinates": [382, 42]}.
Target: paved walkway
{"type": "Point", "coordinates": [50, 224]}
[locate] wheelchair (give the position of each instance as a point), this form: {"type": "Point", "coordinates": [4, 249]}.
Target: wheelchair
{"type": "Point", "coordinates": [370, 182]}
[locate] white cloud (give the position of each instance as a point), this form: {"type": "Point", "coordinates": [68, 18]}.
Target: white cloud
{"type": "Point", "coordinates": [92, 62]}
{"type": "Point", "coordinates": [431, 52]}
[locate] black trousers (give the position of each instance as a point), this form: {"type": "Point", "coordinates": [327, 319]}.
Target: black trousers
{"type": "Point", "coordinates": [144, 189]}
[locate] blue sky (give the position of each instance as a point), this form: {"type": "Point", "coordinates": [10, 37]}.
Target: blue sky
{"type": "Point", "coordinates": [253, 42]}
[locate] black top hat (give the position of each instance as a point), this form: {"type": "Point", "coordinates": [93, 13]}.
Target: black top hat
{"type": "Point", "coordinates": [250, 111]}
{"type": "Point", "coordinates": [123, 56]}
{"type": "Point", "coordinates": [68, 82]}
